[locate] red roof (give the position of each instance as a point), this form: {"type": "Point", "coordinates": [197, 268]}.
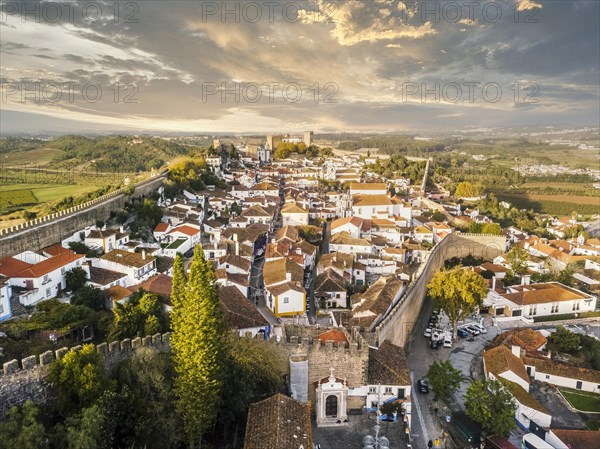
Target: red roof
{"type": "Point", "coordinates": [185, 229]}
{"type": "Point", "coordinates": [335, 335]}
{"type": "Point", "coordinates": [161, 227]}
{"type": "Point", "coordinates": [11, 267]}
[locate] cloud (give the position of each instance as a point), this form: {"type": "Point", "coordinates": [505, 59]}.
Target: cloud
{"type": "Point", "coordinates": [526, 5]}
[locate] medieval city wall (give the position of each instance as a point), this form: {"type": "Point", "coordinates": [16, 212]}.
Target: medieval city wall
{"type": "Point", "coordinates": [45, 231]}
{"type": "Point", "coordinates": [401, 320]}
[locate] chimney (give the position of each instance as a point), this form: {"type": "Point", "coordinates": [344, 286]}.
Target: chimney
{"type": "Point", "coordinates": [237, 248]}
{"type": "Point", "coordinates": [273, 241]}
{"type": "Point", "coordinates": [494, 283]}
{"type": "Point", "coordinates": [144, 254]}
{"type": "Point", "coordinates": [526, 279]}
{"type": "Point", "coordinates": [516, 350]}
{"type": "Point", "coordinates": [288, 276]}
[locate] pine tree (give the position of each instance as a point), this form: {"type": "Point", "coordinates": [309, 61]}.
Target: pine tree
{"type": "Point", "coordinates": [197, 345]}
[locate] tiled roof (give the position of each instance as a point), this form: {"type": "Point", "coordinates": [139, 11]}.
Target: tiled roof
{"type": "Point", "coordinates": [161, 227]}
{"type": "Point", "coordinates": [127, 258]}
{"type": "Point", "coordinates": [102, 276]}
{"type": "Point", "coordinates": [330, 281]}
{"type": "Point", "coordinates": [238, 311]}
{"type": "Point", "coordinates": [274, 271]}
{"type": "Point", "coordinates": [579, 439]}
{"type": "Point", "coordinates": [159, 284]}
{"type": "Point", "coordinates": [500, 359]}
{"type": "Point", "coordinates": [355, 221]}
{"type": "Point", "coordinates": [39, 269]}
{"type": "Point", "coordinates": [523, 396]}
{"type": "Point", "coordinates": [335, 335]}
{"type": "Point", "coordinates": [255, 211]}
{"type": "Point", "coordinates": [293, 208]}
{"type": "Point", "coordinates": [368, 186]}
{"type": "Point", "coordinates": [343, 238]}
{"type": "Point", "coordinates": [236, 261]}
{"type": "Point", "coordinates": [529, 339]}
{"type": "Point", "coordinates": [118, 292]}
{"type": "Point", "coordinates": [543, 293]}
{"type": "Point", "coordinates": [371, 200]}
{"type": "Point", "coordinates": [377, 299]}
{"type": "Point", "coordinates": [548, 366]}
{"type": "Point", "coordinates": [387, 365]}
{"type": "Point", "coordinates": [185, 229]}
{"type": "Point", "coordinates": [9, 266]}
{"type": "Point", "coordinates": [278, 422]}
{"type": "Point", "coordinates": [279, 289]}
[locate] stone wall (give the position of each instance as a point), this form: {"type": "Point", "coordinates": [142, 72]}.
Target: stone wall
{"type": "Point", "coordinates": [26, 379]}
{"type": "Point", "coordinates": [350, 362]}
{"type": "Point", "coordinates": [45, 231]}
{"type": "Point", "coordinates": [398, 324]}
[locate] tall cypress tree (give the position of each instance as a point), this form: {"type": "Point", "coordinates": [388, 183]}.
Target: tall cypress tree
{"type": "Point", "coordinates": [197, 346]}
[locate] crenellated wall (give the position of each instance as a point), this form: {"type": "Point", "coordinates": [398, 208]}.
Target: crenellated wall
{"type": "Point", "coordinates": [398, 324]}
{"type": "Point", "coordinates": [26, 379]}
{"type": "Point", "coordinates": [45, 231]}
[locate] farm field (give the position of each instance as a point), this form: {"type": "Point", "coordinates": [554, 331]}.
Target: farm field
{"type": "Point", "coordinates": [38, 156]}
{"type": "Point", "coordinates": [553, 204]}
{"type": "Point", "coordinates": [14, 196]}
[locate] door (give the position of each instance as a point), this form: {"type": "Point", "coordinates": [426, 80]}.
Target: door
{"type": "Point", "coordinates": [578, 385]}
{"type": "Point", "coordinates": [331, 405]}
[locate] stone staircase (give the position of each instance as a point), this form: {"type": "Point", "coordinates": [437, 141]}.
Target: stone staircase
{"type": "Point", "coordinates": [17, 308]}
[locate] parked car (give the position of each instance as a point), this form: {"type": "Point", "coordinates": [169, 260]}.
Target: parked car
{"type": "Point", "coordinates": [423, 386]}
{"type": "Point", "coordinates": [481, 328]}
{"type": "Point", "coordinates": [462, 333]}
{"type": "Point", "coordinates": [427, 333]}
{"type": "Point", "coordinates": [447, 341]}
{"type": "Point", "coordinates": [473, 330]}
{"type": "Point", "coordinates": [436, 335]}
{"type": "Point", "coordinates": [435, 344]}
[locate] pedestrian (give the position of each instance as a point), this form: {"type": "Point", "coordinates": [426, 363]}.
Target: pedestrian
{"type": "Point", "coordinates": [430, 444]}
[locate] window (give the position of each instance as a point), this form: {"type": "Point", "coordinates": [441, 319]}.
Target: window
{"type": "Point", "coordinates": [554, 308]}
{"type": "Point", "coordinates": [576, 305]}
{"type": "Point", "coordinates": [547, 376]}
{"type": "Point", "coordinates": [533, 310]}
{"type": "Point", "coordinates": [286, 300]}
{"type": "Point", "coordinates": [46, 279]}
{"type": "Point", "coordinates": [63, 269]}
{"type": "Point", "coordinates": [579, 385]}
{"type": "Point", "coordinates": [372, 390]}
{"type": "Point", "coordinates": [388, 390]}
{"type": "Point", "coordinates": [48, 293]}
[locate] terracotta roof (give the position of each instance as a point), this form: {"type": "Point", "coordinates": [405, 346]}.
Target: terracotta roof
{"type": "Point", "coordinates": [494, 267]}
{"type": "Point", "coordinates": [279, 289]}
{"type": "Point", "coordinates": [368, 186]}
{"type": "Point", "coordinates": [329, 281]}
{"type": "Point", "coordinates": [102, 276]}
{"type": "Point", "coordinates": [159, 284]}
{"type": "Point", "coordinates": [343, 238]}
{"type": "Point", "coordinates": [264, 186]}
{"type": "Point", "coordinates": [41, 268]}
{"type": "Point", "coordinates": [387, 365]}
{"type": "Point", "coordinates": [543, 293]}
{"type": "Point", "coordinates": [355, 221]}
{"type": "Point", "coordinates": [236, 261]}
{"type": "Point", "coordinates": [161, 227]}
{"type": "Point", "coordinates": [238, 311]}
{"type": "Point", "coordinates": [118, 292]}
{"type": "Point", "coordinates": [377, 299]}
{"type": "Point", "coordinates": [335, 335]}
{"type": "Point", "coordinates": [100, 234]}
{"type": "Point", "coordinates": [286, 232]}
{"type": "Point", "coordinates": [127, 258]}
{"type": "Point", "coordinates": [9, 266]}
{"type": "Point", "coordinates": [255, 211]}
{"type": "Point", "coordinates": [523, 396]}
{"type": "Point", "coordinates": [185, 229]}
{"type": "Point", "coordinates": [274, 271]}
{"type": "Point", "coordinates": [371, 200]}
{"type": "Point", "coordinates": [579, 439]}
{"type": "Point", "coordinates": [293, 208]}
{"type": "Point", "coordinates": [529, 339]}
{"type": "Point", "coordinates": [500, 359]}
{"type": "Point", "coordinates": [548, 366]}
{"type": "Point", "coordinates": [278, 422]}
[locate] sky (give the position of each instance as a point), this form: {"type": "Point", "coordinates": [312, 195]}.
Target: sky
{"type": "Point", "coordinates": [277, 65]}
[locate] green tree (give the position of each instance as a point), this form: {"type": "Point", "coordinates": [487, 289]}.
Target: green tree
{"type": "Point", "coordinates": [152, 325]}
{"type": "Point", "coordinates": [140, 316]}
{"type": "Point", "coordinates": [565, 340]}
{"type": "Point", "coordinates": [76, 278]}
{"type": "Point", "coordinates": [466, 190]}
{"type": "Point", "coordinates": [86, 430]}
{"type": "Point", "coordinates": [517, 259]}
{"type": "Point", "coordinates": [79, 379]}
{"type": "Point", "coordinates": [21, 429]}
{"type": "Point", "coordinates": [491, 229]}
{"type": "Point", "coordinates": [146, 380]}
{"type": "Point", "coordinates": [444, 379]}
{"type": "Point", "coordinates": [254, 370]}
{"type": "Point", "coordinates": [197, 342]}
{"type": "Point", "coordinates": [91, 297]}
{"type": "Point", "coordinates": [491, 405]}
{"type": "Point", "coordinates": [458, 292]}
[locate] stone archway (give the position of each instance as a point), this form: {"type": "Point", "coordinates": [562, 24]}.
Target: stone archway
{"type": "Point", "coordinates": [331, 406]}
